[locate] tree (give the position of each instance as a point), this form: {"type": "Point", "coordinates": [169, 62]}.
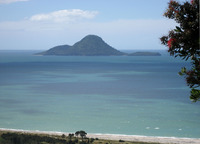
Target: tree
{"type": "Point", "coordinates": [63, 136]}
{"type": "Point", "coordinates": [184, 41]}
{"type": "Point", "coordinates": [82, 134]}
{"type": "Point", "coordinates": [70, 136]}
{"type": "Point", "coordinates": [77, 133]}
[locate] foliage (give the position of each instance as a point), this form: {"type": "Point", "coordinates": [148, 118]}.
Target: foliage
{"type": "Point", "coordinates": [29, 138]}
{"type": "Point", "coordinates": [121, 141]}
{"type": "Point", "coordinates": [184, 41]}
{"type": "Point", "coordinates": [81, 133]}
{"type": "Point", "coordinates": [15, 138]}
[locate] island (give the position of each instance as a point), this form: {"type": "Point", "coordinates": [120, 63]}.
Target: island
{"type": "Point", "coordinates": [145, 54]}
{"type": "Point", "coordinates": [91, 45]}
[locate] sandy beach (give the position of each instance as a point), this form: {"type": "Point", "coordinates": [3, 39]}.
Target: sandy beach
{"type": "Point", "coordinates": [137, 138]}
{"type": "Point", "coordinates": [163, 140]}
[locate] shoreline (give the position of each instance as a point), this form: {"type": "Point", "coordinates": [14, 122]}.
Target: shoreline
{"type": "Point", "coordinates": [131, 138]}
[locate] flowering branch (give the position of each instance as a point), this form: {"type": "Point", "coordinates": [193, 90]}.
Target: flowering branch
{"type": "Point", "coordinates": [184, 40]}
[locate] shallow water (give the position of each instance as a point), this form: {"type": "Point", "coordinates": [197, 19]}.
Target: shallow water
{"type": "Point", "coordinates": [117, 95]}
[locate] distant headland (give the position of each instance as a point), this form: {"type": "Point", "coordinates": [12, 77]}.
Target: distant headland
{"type": "Point", "coordinates": [91, 45]}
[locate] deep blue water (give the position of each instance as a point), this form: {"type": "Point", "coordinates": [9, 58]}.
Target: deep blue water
{"type": "Point", "coordinates": [116, 95]}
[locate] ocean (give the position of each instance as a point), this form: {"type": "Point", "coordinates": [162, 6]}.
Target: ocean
{"type": "Point", "coordinates": [99, 94]}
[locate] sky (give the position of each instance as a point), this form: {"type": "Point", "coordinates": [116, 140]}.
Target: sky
{"type": "Point", "coordinates": [43, 24]}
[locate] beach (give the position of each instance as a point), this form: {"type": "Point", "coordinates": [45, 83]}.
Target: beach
{"type": "Point", "coordinates": [131, 138]}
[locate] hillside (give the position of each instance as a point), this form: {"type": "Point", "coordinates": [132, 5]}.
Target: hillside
{"type": "Point", "coordinates": [57, 50]}
{"type": "Point", "coordinates": [90, 45]}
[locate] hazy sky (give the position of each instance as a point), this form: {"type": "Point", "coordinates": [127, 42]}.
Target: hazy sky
{"type": "Point", "coordinates": [42, 24]}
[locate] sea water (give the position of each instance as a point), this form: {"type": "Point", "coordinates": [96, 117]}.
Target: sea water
{"type": "Point", "coordinates": [132, 95]}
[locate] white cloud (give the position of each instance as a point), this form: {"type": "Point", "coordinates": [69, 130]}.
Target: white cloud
{"type": "Point", "coordinates": [121, 34]}
{"type": "Point", "coordinates": [65, 15]}
{"type": "Point", "coordinates": [10, 1]}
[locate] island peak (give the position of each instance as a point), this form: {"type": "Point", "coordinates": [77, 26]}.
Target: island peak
{"type": "Point", "coordinates": [90, 45]}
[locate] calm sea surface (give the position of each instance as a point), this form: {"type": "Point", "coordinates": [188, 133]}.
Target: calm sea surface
{"type": "Point", "coordinates": [116, 95]}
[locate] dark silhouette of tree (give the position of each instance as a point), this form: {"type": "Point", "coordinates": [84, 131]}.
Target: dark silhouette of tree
{"type": "Point", "coordinates": [184, 41]}
{"type": "Point", "coordinates": [70, 136]}
{"type": "Point", "coordinates": [83, 134]}
{"type": "Point", "coordinates": [77, 133]}
{"type": "Point", "coordinates": [63, 136]}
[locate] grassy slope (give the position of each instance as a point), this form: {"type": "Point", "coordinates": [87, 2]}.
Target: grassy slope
{"type": "Point", "coordinates": [96, 141]}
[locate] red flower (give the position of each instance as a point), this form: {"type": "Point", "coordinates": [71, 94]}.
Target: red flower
{"type": "Point", "coordinates": [191, 1]}
{"type": "Point", "coordinates": [170, 42]}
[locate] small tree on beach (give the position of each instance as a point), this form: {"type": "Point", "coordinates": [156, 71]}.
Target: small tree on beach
{"type": "Point", "coordinates": [77, 133]}
{"type": "Point", "coordinates": [83, 134]}
{"type": "Point", "coordinates": [184, 41]}
{"type": "Point", "coordinates": [70, 136]}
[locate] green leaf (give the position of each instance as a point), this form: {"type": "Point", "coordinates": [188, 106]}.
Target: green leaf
{"type": "Point", "coordinates": [195, 95]}
{"type": "Point", "coordinates": [180, 73]}
{"type": "Point", "coordinates": [183, 70]}
{"type": "Point", "coordinates": [178, 29]}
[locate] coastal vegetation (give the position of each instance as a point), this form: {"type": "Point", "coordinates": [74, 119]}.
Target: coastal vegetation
{"type": "Point", "coordinates": [8, 137]}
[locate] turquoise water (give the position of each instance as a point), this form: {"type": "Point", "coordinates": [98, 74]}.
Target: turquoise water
{"type": "Point", "coordinates": [116, 95]}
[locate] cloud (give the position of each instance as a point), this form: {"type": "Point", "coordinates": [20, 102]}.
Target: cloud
{"type": "Point", "coordinates": [126, 33]}
{"type": "Point", "coordinates": [10, 1]}
{"type": "Point", "coordinates": [64, 16]}
{"type": "Point", "coordinates": [121, 34]}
